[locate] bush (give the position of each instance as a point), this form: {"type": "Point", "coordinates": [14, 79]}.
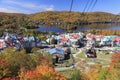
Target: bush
{"type": "Point", "coordinates": [76, 75]}
{"type": "Point", "coordinates": [4, 69]}
{"type": "Point", "coordinates": [114, 70]}
{"type": "Point", "coordinates": [34, 50]}
{"type": "Point", "coordinates": [103, 74]}
{"type": "Point", "coordinates": [19, 59]}
{"type": "Point", "coordinates": [93, 71]}
{"type": "Point", "coordinates": [115, 61]}
{"type": "Point", "coordinates": [53, 41]}
{"type": "Point", "coordinates": [41, 73]}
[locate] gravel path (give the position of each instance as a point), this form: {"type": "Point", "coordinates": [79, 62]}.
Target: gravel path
{"type": "Point", "coordinates": [73, 66]}
{"type": "Point", "coordinates": [70, 67]}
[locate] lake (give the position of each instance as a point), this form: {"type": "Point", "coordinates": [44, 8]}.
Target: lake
{"type": "Point", "coordinates": [50, 29]}
{"type": "Point", "coordinates": [82, 27]}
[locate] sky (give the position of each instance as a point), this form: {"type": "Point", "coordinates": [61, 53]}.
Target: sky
{"type": "Point", "coordinates": [33, 6]}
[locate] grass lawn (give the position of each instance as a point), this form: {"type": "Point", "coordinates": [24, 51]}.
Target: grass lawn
{"type": "Point", "coordinates": [65, 63]}
{"type": "Point", "coordinates": [103, 55]}
{"type": "Point", "coordinates": [67, 73]}
{"type": "Point", "coordinates": [73, 51]}
{"type": "Point", "coordinates": [81, 55]}
{"type": "Point", "coordinates": [72, 74]}
{"type": "Point", "coordinates": [102, 58]}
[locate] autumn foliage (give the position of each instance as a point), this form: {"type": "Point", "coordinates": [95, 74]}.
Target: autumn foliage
{"type": "Point", "coordinates": [4, 69]}
{"type": "Point", "coordinates": [115, 62]}
{"type": "Point", "coordinates": [38, 66]}
{"type": "Point", "coordinates": [18, 65]}
{"type": "Point", "coordinates": [41, 73]}
{"type": "Point", "coordinates": [97, 72]}
{"type": "Point", "coordinates": [104, 32]}
{"type": "Point", "coordinates": [93, 72]}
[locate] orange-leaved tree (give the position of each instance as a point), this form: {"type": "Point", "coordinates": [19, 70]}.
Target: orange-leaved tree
{"type": "Point", "coordinates": [115, 61]}
{"type": "Point", "coordinates": [4, 69]}
{"type": "Point", "coordinates": [41, 73]}
{"type": "Point", "coordinates": [93, 71]}
{"type": "Point", "coordinates": [114, 71]}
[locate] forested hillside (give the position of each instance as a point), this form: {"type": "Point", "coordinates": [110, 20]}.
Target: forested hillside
{"type": "Point", "coordinates": [12, 20]}
{"type": "Point", "coordinates": [65, 16]}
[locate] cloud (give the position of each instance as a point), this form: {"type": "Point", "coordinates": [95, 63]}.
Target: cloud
{"type": "Point", "coordinates": [30, 6]}
{"type": "Point", "coordinates": [51, 8]}
{"type": "Point", "coordinates": [9, 10]}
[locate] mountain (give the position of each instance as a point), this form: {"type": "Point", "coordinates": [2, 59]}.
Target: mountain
{"type": "Point", "coordinates": [31, 20]}
{"type": "Point", "coordinates": [65, 16]}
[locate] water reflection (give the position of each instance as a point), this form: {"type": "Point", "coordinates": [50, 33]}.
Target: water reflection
{"type": "Point", "coordinates": [82, 27]}
{"type": "Point", "coordinates": [50, 29]}
{"type": "Point", "coordinates": [99, 27]}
